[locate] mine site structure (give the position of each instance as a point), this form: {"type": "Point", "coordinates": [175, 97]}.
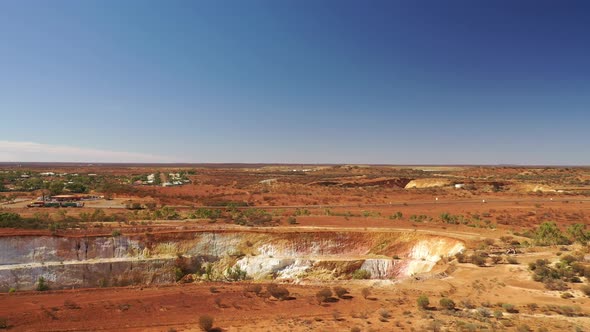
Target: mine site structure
{"type": "Point", "coordinates": [61, 201]}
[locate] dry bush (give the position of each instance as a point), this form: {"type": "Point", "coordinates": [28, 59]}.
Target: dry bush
{"type": "Point", "coordinates": [218, 302]}
{"type": "Point", "coordinates": [336, 315]}
{"type": "Point", "coordinates": [71, 304]}
{"type": "Point", "coordinates": [366, 292]}
{"type": "Point", "coordinates": [340, 291]}
{"type": "Point", "coordinates": [206, 322]}
{"type": "Point", "coordinates": [512, 260]}
{"type": "Point", "coordinates": [323, 295]}
{"type": "Point", "coordinates": [447, 303]}
{"type": "Point", "coordinates": [278, 292]}
{"type": "Point", "coordinates": [253, 288]}
{"type": "Point", "coordinates": [509, 308]}
{"type": "Point", "coordinates": [477, 260]}
{"type": "Point", "coordinates": [385, 314]}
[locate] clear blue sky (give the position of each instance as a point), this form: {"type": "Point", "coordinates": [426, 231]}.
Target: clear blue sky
{"type": "Point", "coordinates": [401, 82]}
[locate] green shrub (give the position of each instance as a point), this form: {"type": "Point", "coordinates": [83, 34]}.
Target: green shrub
{"type": "Point", "coordinates": [396, 216]}
{"type": "Point", "coordinates": [578, 233]}
{"type": "Point", "coordinates": [235, 274]}
{"type": "Point", "coordinates": [116, 233]}
{"type": "Point", "coordinates": [423, 302]}
{"type": "Point", "coordinates": [41, 285]}
{"type": "Point", "coordinates": [549, 234]}
{"type": "Point", "coordinates": [361, 274]}
{"type": "Point", "coordinates": [447, 303]}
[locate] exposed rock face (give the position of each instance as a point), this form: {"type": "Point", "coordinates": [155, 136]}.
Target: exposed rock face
{"type": "Point", "coordinates": [532, 187]}
{"type": "Point", "coordinates": [141, 259]}
{"type": "Point", "coordinates": [38, 249]}
{"type": "Point", "coordinates": [428, 183]}
{"type": "Point", "coordinates": [380, 268]}
{"type": "Point", "coordinates": [99, 273]}
{"type": "Point", "coordinates": [426, 253]}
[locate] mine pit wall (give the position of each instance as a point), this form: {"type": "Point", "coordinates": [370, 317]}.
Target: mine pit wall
{"type": "Point", "coordinates": [89, 274]}
{"type": "Point", "coordinates": [102, 261]}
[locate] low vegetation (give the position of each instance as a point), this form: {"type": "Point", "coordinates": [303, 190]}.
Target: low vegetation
{"type": "Point", "coordinates": [423, 302]}
{"type": "Point", "coordinates": [323, 295]}
{"type": "Point", "coordinates": [3, 323]}
{"type": "Point", "coordinates": [42, 284]}
{"type": "Point", "coordinates": [447, 303]}
{"type": "Point", "coordinates": [278, 292]}
{"type": "Point", "coordinates": [341, 292]}
{"type": "Point", "coordinates": [569, 269]}
{"type": "Point", "coordinates": [361, 274]}
{"type": "Point", "coordinates": [206, 323]}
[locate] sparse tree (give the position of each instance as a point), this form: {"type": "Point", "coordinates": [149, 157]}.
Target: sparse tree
{"type": "Point", "coordinates": [56, 188]}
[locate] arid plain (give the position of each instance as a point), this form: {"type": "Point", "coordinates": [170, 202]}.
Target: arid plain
{"type": "Point", "coordinates": [125, 247]}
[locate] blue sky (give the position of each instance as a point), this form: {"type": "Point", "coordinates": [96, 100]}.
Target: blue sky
{"type": "Point", "coordinates": [403, 82]}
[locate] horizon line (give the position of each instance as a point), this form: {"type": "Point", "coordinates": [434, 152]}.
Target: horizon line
{"type": "Point", "coordinates": [97, 163]}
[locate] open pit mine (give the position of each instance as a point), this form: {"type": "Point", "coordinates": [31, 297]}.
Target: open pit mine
{"type": "Point", "coordinates": [162, 258]}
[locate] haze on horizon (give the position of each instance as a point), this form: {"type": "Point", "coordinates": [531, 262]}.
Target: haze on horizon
{"type": "Point", "coordinates": [380, 82]}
